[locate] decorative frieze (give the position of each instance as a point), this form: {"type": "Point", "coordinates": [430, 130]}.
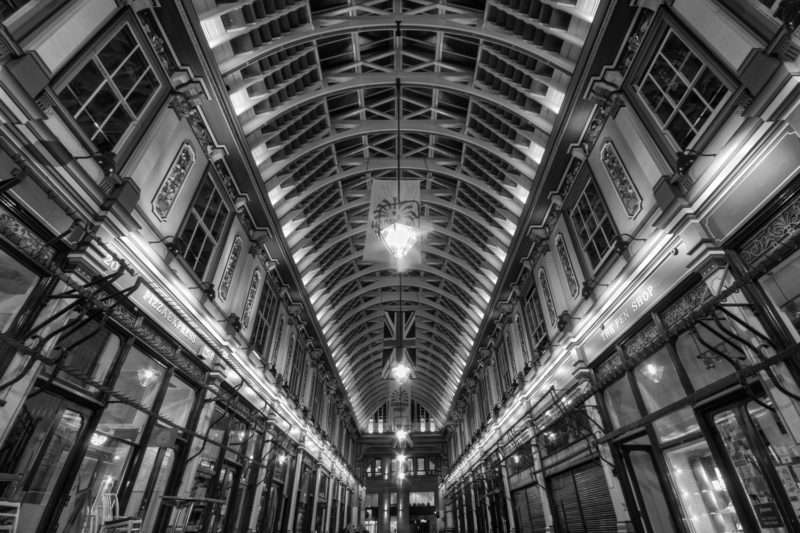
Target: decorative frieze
{"type": "Point", "coordinates": [687, 303]}
{"type": "Point", "coordinates": [26, 240]}
{"type": "Point", "coordinates": [230, 268]}
{"type": "Point", "coordinates": [566, 265]}
{"type": "Point", "coordinates": [173, 181]}
{"type": "Point", "coordinates": [782, 226]}
{"type": "Point", "coordinates": [623, 184]}
{"type": "Point", "coordinates": [249, 302]}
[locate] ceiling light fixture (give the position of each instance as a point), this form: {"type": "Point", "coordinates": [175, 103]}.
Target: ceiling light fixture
{"type": "Point", "coordinates": [398, 221]}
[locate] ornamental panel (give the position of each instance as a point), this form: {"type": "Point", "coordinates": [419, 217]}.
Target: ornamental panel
{"type": "Point", "coordinates": [230, 267]}
{"type": "Point", "coordinates": [173, 181]}
{"type": "Point", "coordinates": [251, 297]}
{"type": "Point", "coordinates": [623, 184]}
{"type": "Point", "coordinates": [548, 296]}
{"type": "Point", "coordinates": [566, 264]}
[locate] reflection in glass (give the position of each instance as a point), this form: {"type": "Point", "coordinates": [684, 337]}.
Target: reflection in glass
{"type": "Point", "coordinates": [140, 378]}
{"type": "Point", "coordinates": [621, 405]}
{"type": "Point", "coordinates": [644, 472]}
{"type": "Point", "coordinates": [177, 402]}
{"type": "Point", "coordinates": [16, 282]}
{"type": "Point", "coordinates": [783, 450]}
{"type": "Point", "coordinates": [37, 448]}
{"type": "Point", "coordinates": [749, 472]}
{"type": "Point", "coordinates": [658, 381]}
{"type": "Point", "coordinates": [93, 495]}
{"type": "Point", "coordinates": [707, 507]}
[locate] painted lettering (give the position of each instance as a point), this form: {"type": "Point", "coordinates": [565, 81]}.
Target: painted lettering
{"type": "Point", "coordinates": [153, 301]}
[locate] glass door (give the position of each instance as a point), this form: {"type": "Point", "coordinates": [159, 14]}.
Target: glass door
{"type": "Point", "coordinates": [647, 486]}
{"type": "Point", "coordinates": [764, 461]}
{"type": "Point", "coordinates": [40, 447]}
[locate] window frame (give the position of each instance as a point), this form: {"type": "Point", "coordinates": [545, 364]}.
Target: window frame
{"type": "Point", "coordinates": [209, 273]}
{"type": "Point", "coordinates": [127, 143]}
{"type": "Point", "coordinates": [664, 23]}
{"type": "Point", "coordinates": [576, 241]}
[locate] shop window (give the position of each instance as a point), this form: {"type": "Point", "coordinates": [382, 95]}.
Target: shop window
{"type": "Point", "coordinates": [658, 381]}
{"type": "Point", "coordinates": [178, 401]}
{"type": "Point", "coordinates": [520, 460]}
{"type": "Point", "coordinates": [90, 351]}
{"type": "Point", "coordinates": [621, 403]}
{"type": "Point", "coordinates": [16, 283]}
{"type": "Point", "coordinates": [37, 448]}
{"type": "Point", "coordinates": [110, 91]}
{"type": "Point", "coordinates": [706, 357]}
{"type": "Point", "coordinates": [680, 90]}
{"type": "Point", "coordinates": [593, 226]}
{"type": "Point", "coordinates": [204, 225]}
{"type": "Point", "coordinates": [707, 505]}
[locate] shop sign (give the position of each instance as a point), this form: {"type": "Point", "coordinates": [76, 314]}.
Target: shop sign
{"type": "Point", "coordinates": [638, 304]}
{"type": "Point", "coordinates": [156, 308]}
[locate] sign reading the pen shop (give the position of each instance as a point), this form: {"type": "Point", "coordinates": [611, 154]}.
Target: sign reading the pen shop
{"type": "Point", "coordinates": [637, 304]}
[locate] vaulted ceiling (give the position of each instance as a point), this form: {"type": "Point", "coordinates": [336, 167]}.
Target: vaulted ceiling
{"type": "Point", "coordinates": [313, 84]}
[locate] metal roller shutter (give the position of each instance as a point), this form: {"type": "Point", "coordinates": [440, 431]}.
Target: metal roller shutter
{"type": "Point", "coordinates": [595, 500]}
{"type": "Point", "coordinates": [535, 508]}
{"type": "Point", "coordinates": [520, 500]}
{"type": "Point", "coordinates": [581, 502]}
{"type": "Point", "coordinates": [566, 510]}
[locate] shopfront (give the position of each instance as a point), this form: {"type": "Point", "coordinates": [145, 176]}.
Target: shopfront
{"type": "Point", "coordinates": [706, 444]}
{"type": "Point", "coordinates": [526, 494]}
{"type": "Point", "coordinates": [577, 489]}
{"type": "Point", "coordinates": [101, 434]}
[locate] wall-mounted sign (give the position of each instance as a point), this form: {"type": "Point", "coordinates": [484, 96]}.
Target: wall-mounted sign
{"type": "Point", "coordinates": [155, 307]}
{"type": "Point", "coordinates": [638, 304]}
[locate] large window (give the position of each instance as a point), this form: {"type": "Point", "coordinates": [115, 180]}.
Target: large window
{"type": "Point", "coordinates": [265, 318]}
{"type": "Point", "coordinates": [17, 283]}
{"type": "Point", "coordinates": [593, 225]}
{"type": "Point", "coordinates": [109, 92]}
{"type": "Point", "coordinates": [205, 223]}
{"type": "Point", "coordinates": [535, 316]}
{"type": "Point", "coordinates": [681, 90]}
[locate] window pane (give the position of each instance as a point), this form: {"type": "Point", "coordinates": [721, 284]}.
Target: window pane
{"type": "Point", "coordinates": [142, 92]}
{"type": "Point", "coordinates": [93, 354]}
{"type": "Point", "coordinates": [694, 90]}
{"type": "Point", "coordinates": [140, 378]}
{"type": "Point", "coordinates": [676, 425]}
{"type": "Point", "coordinates": [749, 472]}
{"type": "Point", "coordinates": [621, 404]}
{"type": "Point", "coordinates": [658, 381]}
{"type": "Point", "coordinates": [95, 486]}
{"type": "Point", "coordinates": [16, 282]}
{"type": "Point", "coordinates": [707, 507]}
{"type": "Point", "coordinates": [130, 73]}
{"type": "Point", "coordinates": [178, 401]}
{"type": "Point", "coordinates": [117, 49]}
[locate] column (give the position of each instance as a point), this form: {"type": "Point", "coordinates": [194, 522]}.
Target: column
{"type": "Point", "coordinates": [264, 472]}
{"type": "Point", "coordinates": [474, 514]}
{"type": "Point", "coordinates": [338, 507]}
{"type": "Point", "coordinates": [507, 494]}
{"type": "Point", "coordinates": [537, 466]}
{"type": "Point", "coordinates": [487, 500]}
{"type": "Point", "coordinates": [334, 481]}
{"type": "Point", "coordinates": [318, 477]}
{"type": "Point", "coordinates": [298, 467]}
